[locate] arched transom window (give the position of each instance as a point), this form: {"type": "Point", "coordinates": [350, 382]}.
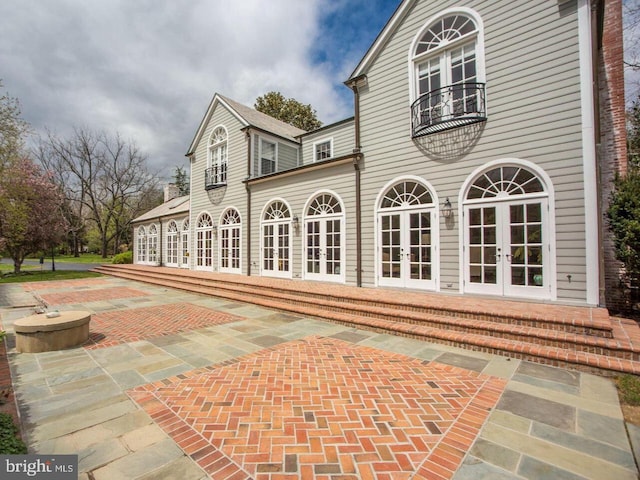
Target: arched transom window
{"type": "Point", "coordinates": [324, 204]}
{"type": "Point", "coordinates": [447, 73]}
{"type": "Point", "coordinates": [503, 182]}
{"type": "Point", "coordinates": [216, 173]}
{"type": "Point", "coordinates": [406, 193]}
{"type": "Point", "coordinates": [277, 210]}
{"type": "Point", "coordinates": [231, 217]}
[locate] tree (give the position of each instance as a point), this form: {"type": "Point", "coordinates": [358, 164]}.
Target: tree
{"type": "Point", "coordinates": [181, 180]}
{"type": "Point", "coordinates": [12, 130]}
{"type": "Point", "coordinates": [30, 211]}
{"type": "Point", "coordinates": [105, 180]}
{"type": "Point", "coordinates": [289, 110]}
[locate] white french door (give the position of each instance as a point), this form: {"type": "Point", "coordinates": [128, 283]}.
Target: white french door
{"type": "Point", "coordinates": [405, 249]}
{"type": "Point", "coordinates": [184, 257]}
{"type": "Point", "coordinates": [276, 251]}
{"type": "Point", "coordinates": [230, 249]}
{"type": "Point", "coordinates": [324, 252]}
{"type": "Point", "coordinates": [506, 248]}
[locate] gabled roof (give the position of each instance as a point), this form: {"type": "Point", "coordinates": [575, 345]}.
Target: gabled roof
{"type": "Point", "coordinates": [381, 39]}
{"type": "Point", "coordinates": [173, 207]}
{"type": "Point", "coordinates": [248, 117]}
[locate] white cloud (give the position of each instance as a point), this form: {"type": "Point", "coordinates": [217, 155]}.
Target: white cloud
{"type": "Point", "coordinates": [148, 69]}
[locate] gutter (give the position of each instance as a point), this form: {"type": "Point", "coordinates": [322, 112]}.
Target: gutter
{"type": "Point", "coordinates": [248, 189]}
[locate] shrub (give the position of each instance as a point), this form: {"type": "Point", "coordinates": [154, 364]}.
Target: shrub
{"type": "Point", "coordinates": [126, 257]}
{"type": "Point", "coordinates": [10, 444]}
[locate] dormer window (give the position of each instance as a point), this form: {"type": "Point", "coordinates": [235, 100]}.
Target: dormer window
{"type": "Point", "coordinates": [216, 172]}
{"type": "Point", "coordinates": [447, 74]}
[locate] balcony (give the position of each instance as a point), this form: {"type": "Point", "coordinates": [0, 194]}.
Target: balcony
{"type": "Point", "coordinates": [448, 107]}
{"type": "Point", "coordinates": [215, 177]}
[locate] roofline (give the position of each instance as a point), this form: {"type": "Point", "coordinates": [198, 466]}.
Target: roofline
{"type": "Point", "coordinates": [217, 98]}
{"type": "Point", "coordinates": [305, 168]}
{"type": "Point", "coordinates": [325, 127]}
{"type": "Point", "coordinates": [270, 133]}
{"type": "Point", "coordinates": [397, 16]}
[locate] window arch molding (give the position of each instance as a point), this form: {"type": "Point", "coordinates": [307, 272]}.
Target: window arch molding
{"type": "Point", "coordinates": [546, 195]}
{"type": "Point", "coordinates": [413, 58]}
{"type": "Point", "coordinates": [337, 206]}
{"type": "Point", "coordinates": [542, 175]}
{"type": "Point", "coordinates": [217, 157]}
{"type": "Point", "coordinates": [270, 211]}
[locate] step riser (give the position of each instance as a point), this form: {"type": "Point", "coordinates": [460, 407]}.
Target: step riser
{"type": "Point", "coordinates": [303, 307]}
{"type": "Point", "coordinates": [353, 306]}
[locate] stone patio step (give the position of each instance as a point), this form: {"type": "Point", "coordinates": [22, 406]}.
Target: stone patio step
{"type": "Point", "coordinates": [573, 337]}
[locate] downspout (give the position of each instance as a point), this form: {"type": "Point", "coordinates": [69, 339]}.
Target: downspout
{"type": "Point", "coordinates": [357, 151]}
{"type": "Point", "coordinates": [248, 188]}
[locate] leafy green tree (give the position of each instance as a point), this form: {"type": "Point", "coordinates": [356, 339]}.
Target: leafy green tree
{"type": "Point", "coordinates": [289, 110]}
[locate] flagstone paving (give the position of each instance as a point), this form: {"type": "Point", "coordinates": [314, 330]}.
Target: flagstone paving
{"type": "Point", "coordinates": [269, 395]}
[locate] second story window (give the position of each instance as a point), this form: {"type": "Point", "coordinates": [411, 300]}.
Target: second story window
{"type": "Point", "coordinates": [216, 173]}
{"type": "Point", "coordinates": [322, 150]}
{"type": "Point", "coordinates": [267, 157]}
{"type": "Point", "coordinates": [448, 77]}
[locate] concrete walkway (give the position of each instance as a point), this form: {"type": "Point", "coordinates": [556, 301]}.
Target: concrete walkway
{"type": "Point", "coordinates": [177, 385]}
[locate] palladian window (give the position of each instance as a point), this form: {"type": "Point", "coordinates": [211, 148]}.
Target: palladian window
{"type": "Point", "coordinates": [216, 172]}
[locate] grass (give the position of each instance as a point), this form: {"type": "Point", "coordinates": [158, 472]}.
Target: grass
{"type": "Point", "coordinates": [37, 276]}
{"type": "Point", "coordinates": [629, 389]}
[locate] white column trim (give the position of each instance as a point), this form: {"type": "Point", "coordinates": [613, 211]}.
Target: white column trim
{"type": "Point", "coordinates": [589, 153]}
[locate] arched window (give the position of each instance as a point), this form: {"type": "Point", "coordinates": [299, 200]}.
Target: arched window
{"type": "Point", "coordinates": [172, 243]}
{"type": "Point", "coordinates": [153, 244]}
{"type": "Point", "coordinates": [407, 235]}
{"type": "Point", "coordinates": [508, 231]}
{"type": "Point", "coordinates": [276, 239]}
{"type": "Point", "coordinates": [142, 245]}
{"type": "Point", "coordinates": [504, 181]}
{"type": "Point", "coordinates": [230, 241]}
{"type": "Point", "coordinates": [324, 227]}
{"type": "Point", "coordinates": [406, 193]}
{"type": "Point", "coordinates": [447, 73]}
{"type": "Point", "coordinates": [184, 242]}
{"type": "Point", "coordinates": [216, 173]}
{"type": "Point", "coordinates": [204, 242]}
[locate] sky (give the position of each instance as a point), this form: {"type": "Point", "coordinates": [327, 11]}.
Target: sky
{"type": "Point", "coordinates": [148, 69]}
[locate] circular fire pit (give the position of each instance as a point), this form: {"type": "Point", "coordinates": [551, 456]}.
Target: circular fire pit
{"type": "Point", "coordinates": [42, 333]}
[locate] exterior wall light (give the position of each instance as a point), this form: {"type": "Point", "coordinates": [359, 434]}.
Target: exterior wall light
{"type": "Point", "coordinates": [447, 210]}
{"type": "Point", "coordinates": [296, 224]}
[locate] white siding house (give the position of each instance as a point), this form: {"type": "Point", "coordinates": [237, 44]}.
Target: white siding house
{"type": "Point", "coordinates": [472, 164]}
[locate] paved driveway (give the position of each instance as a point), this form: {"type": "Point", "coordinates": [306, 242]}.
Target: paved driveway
{"type": "Point", "coordinates": [177, 385]}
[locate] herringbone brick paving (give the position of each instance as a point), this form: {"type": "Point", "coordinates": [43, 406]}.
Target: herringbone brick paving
{"type": "Point", "coordinates": [131, 325]}
{"type": "Point", "coordinates": [323, 408]}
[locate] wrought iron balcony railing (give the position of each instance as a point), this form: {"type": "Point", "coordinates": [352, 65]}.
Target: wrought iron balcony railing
{"type": "Point", "coordinates": [448, 107]}
{"type": "Point", "coordinates": [215, 177]}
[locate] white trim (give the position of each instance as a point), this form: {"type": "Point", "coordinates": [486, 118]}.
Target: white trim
{"type": "Point", "coordinates": [479, 35]}
{"type": "Point", "coordinates": [323, 140]}
{"type": "Point", "coordinates": [551, 215]}
{"type": "Point", "coordinates": [289, 221]}
{"type": "Point", "coordinates": [589, 154]}
{"type": "Point", "coordinates": [435, 227]}
{"type": "Point", "coordinates": [196, 230]}
{"type": "Point", "coordinates": [269, 139]}
{"type": "Point", "coordinates": [229, 226]}
{"type": "Point", "coordinates": [211, 147]}
{"type": "Point", "coordinates": [341, 277]}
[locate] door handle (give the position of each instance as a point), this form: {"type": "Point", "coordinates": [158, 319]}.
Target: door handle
{"type": "Point", "coordinates": [498, 254]}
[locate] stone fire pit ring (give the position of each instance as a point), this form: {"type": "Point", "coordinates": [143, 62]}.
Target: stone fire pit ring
{"type": "Point", "coordinates": [42, 333]}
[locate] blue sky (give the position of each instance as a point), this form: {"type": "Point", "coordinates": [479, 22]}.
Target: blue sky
{"type": "Point", "coordinates": [147, 69]}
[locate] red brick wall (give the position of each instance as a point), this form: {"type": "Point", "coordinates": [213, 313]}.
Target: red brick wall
{"type": "Point", "coordinates": [612, 150]}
